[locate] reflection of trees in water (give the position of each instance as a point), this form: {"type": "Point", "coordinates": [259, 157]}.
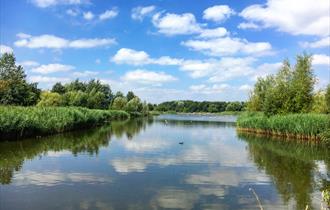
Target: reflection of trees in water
{"type": "Point", "coordinates": [195, 123]}
{"type": "Point", "coordinates": [291, 165]}
{"type": "Point", "coordinates": [14, 153]}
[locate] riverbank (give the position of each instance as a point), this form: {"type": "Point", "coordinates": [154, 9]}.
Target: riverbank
{"type": "Point", "coordinates": [19, 122]}
{"type": "Point", "coordinates": [314, 127]}
{"type": "Point", "coordinates": [198, 113]}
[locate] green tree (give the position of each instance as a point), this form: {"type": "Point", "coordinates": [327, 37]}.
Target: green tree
{"type": "Point", "coordinates": [58, 88]}
{"type": "Point", "coordinates": [119, 94]}
{"type": "Point", "coordinates": [319, 103]}
{"type": "Point", "coordinates": [327, 98]}
{"type": "Point", "coordinates": [75, 98]}
{"type": "Point", "coordinates": [303, 81]}
{"type": "Point", "coordinates": [97, 100]}
{"type": "Point", "coordinates": [50, 99]}
{"type": "Point", "coordinates": [14, 88]}
{"type": "Point", "coordinates": [134, 105]}
{"type": "Point", "coordinates": [130, 95]}
{"type": "Point", "coordinates": [258, 95]}
{"type": "Point", "coordinates": [119, 103]}
{"type": "Point", "coordinates": [234, 106]}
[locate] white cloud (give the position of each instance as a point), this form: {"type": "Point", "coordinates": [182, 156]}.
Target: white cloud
{"type": "Point", "coordinates": [218, 13]}
{"type": "Point", "coordinates": [29, 63]}
{"type": "Point", "coordinates": [85, 73]}
{"type": "Point", "coordinates": [138, 13]}
{"type": "Point", "coordinates": [264, 70]}
{"type": "Point", "coordinates": [245, 87]}
{"type": "Point", "coordinates": [48, 80]}
{"type": "Point", "coordinates": [72, 12]}
{"type": "Point", "coordinates": [213, 89]}
{"type": "Point", "coordinates": [320, 59]}
{"type": "Point", "coordinates": [228, 46]}
{"type": "Point", "coordinates": [108, 14]}
{"type": "Point", "coordinates": [23, 35]}
{"type": "Point", "coordinates": [323, 42]}
{"type": "Point", "coordinates": [197, 68]}
{"type": "Point", "coordinates": [297, 17]}
{"type": "Point", "coordinates": [133, 57]}
{"type": "Point", "coordinates": [50, 3]}
{"type": "Point", "coordinates": [176, 24]}
{"type": "Point", "coordinates": [88, 15]}
{"type": "Point", "coordinates": [130, 56]}
{"type": "Point", "coordinates": [148, 77]}
{"type": "Point", "coordinates": [213, 33]}
{"type": "Point", "coordinates": [51, 41]}
{"type": "Point", "coordinates": [248, 25]}
{"type": "Point", "coordinates": [5, 49]}
{"type": "Point", "coordinates": [52, 68]}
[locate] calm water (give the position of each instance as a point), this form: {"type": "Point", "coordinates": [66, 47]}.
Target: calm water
{"type": "Point", "coordinates": [140, 164]}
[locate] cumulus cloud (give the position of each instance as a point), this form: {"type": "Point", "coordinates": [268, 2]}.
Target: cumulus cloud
{"type": "Point", "coordinates": [51, 41]}
{"type": "Point", "coordinates": [88, 15]}
{"type": "Point", "coordinates": [133, 57]}
{"type": "Point", "coordinates": [50, 3]}
{"type": "Point", "coordinates": [148, 77]}
{"type": "Point", "coordinates": [218, 13]}
{"type": "Point", "coordinates": [138, 13]}
{"type": "Point", "coordinates": [85, 73]}
{"type": "Point", "coordinates": [108, 14]}
{"type": "Point", "coordinates": [297, 17]}
{"type": "Point", "coordinates": [228, 46]}
{"type": "Point", "coordinates": [213, 89]}
{"type": "Point", "coordinates": [176, 24]}
{"type": "Point", "coordinates": [248, 25]}
{"type": "Point", "coordinates": [213, 33]}
{"type": "Point", "coordinates": [29, 63]}
{"type": "Point", "coordinates": [323, 42]}
{"type": "Point", "coordinates": [321, 59]}
{"type": "Point", "coordinates": [47, 80]}
{"type": "Point", "coordinates": [52, 68]}
{"type": "Point", "coordinates": [5, 49]}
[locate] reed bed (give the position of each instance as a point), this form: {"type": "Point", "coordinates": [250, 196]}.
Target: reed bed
{"type": "Point", "coordinates": [300, 126]}
{"type": "Point", "coordinates": [17, 122]}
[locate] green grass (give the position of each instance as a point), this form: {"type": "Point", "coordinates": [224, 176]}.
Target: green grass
{"type": "Point", "coordinates": [303, 126]}
{"type": "Point", "coordinates": [18, 122]}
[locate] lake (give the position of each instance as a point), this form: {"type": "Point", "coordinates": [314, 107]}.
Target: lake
{"type": "Point", "coordinates": [140, 164]}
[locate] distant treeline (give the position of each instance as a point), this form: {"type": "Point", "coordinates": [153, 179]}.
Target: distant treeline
{"type": "Point", "coordinates": [196, 106]}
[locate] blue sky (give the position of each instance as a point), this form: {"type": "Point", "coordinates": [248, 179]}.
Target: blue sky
{"type": "Point", "coordinates": [165, 49]}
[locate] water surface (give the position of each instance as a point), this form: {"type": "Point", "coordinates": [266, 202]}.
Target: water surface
{"type": "Point", "coordinates": [139, 164]}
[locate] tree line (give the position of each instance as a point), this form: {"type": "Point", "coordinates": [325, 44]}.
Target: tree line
{"type": "Point", "coordinates": [16, 90]}
{"type": "Point", "coordinates": [291, 90]}
{"type": "Point", "coordinates": [204, 106]}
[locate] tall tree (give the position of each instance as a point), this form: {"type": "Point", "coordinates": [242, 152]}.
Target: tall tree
{"type": "Point", "coordinates": [14, 89]}
{"type": "Point", "coordinates": [58, 88]}
{"type": "Point", "coordinates": [327, 98]}
{"type": "Point", "coordinates": [130, 95]}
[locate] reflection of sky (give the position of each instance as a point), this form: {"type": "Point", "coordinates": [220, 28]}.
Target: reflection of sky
{"type": "Point", "coordinates": [211, 170]}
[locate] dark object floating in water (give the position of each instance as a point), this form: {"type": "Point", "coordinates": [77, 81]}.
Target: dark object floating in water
{"type": "Point", "coordinates": [181, 142]}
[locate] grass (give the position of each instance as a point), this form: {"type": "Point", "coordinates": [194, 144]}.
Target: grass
{"type": "Point", "coordinates": [17, 122]}
{"type": "Point", "coordinates": [300, 126]}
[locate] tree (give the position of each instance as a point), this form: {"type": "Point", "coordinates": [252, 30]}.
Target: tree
{"type": "Point", "coordinates": [14, 89]}
{"type": "Point", "coordinates": [302, 83]}
{"type": "Point", "coordinates": [97, 100]}
{"type": "Point", "coordinates": [50, 99]}
{"type": "Point", "coordinates": [130, 95]}
{"type": "Point", "coordinates": [58, 88]}
{"type": "Point", "coordinates": [319, 103]}
{"type": "Point", "coordinates": [327, 98]}
{"type": "Point", "coordinates": [258, 95]}
{"type": "Point", "coordinates": [119, 94]}
{"type": "Point", "coordinates": [234, 106]}
{"type": "Point", "coordinates": [75, 98]}
{"type": "Point", "coordinates": [119, 103]}
{"type": "Point", "coordinates": [134, 105]}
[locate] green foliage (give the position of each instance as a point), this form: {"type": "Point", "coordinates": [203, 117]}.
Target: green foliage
{"type": "Point", "coordinates": [19, 122]}
{"type": "Point", "coordinates": [235, 106]}
{"type": "Point", "coordinates": [50, 99]}
{"type": "Point", "coordinates": [195, 106]}
{"type": "Point", "coordinates": [327, 98]}
{"type": "Point", "coordinates": [119, 103]}
{"type": "Point", "coordinates": [301, 125]}
{"type": "Point", "coordinates": [58, 88]}
{"type": "Point", "coordinates": [289, 91]}
{"type": "Point", "coordinates": [130, 95]}
{"type": "Point", "coordinates": [319, 103]}
{"type": "Point", "coordinates": [134, 105]}
{"type": "Point", "coordinates": [14, 88]}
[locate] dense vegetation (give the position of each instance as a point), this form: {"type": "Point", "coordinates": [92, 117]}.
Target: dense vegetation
{"type": "Point", "coordinates": [301, 126]}
{"type": "Point", "coordinates": [195, 106]}
{"type": "Point", "coordinates": [17, 122]}
{"type": "Point", "coordinates": [289, 104]}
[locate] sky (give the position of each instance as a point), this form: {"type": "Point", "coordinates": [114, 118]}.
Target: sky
{"type": "Point", "coordinates": [165, 49]}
